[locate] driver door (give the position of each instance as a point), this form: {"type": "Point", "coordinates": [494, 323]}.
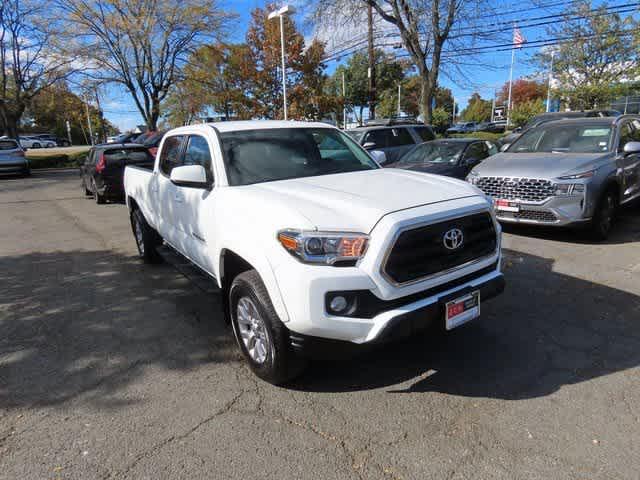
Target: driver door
{"type": "Point", "coordinates": [629, 132]}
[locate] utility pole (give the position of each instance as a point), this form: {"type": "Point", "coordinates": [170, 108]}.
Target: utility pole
{"type": "Point", "coordinates": [493, 105]}
{"type": "Point", "coordinates": [550, 79]}
{"type": "Point", "coordinates": [344, 104]}
{"type": "Point", "coordinates": [86, 104]}
{"type": "Point", "coordinates": [399, 96]}
{"type": "Point", "coordinates": [372, 66]}
{"type": "Point", "coordinates": [103, 133]}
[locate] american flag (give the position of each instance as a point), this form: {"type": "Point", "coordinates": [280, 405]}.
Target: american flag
{"type": "Point", "coordinates": [518, 38]}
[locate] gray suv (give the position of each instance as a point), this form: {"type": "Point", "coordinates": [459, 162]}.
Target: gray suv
{"type": "Point", "coordinates": [566, 172]}
{"type": "Point", "coordinates": [394, 140]}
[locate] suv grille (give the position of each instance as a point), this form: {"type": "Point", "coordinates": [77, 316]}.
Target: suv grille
{"type": "Point", "coordinates": [528, 189]}
{"type": "Point", "coordinates": [420, 252]}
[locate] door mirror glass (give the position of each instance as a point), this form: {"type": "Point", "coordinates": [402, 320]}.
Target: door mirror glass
{"type": "Point", "coordinates": [504, 147]}
{"type": "Point", "coordinates": [631, 147]}
{"type": "Point", "coordinates": [379, 156]}
{"type": "Point", "coordinates": [193, 176]}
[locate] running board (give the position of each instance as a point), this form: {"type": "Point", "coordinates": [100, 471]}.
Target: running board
{"type": "Point", "coordinates": [191, 272]}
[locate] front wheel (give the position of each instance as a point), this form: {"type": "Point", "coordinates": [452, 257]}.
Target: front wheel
{"type": "Point", "coordinates": [604, 215]}
{"type": "Point", "coordinates": [147, 239]}
{"type": "Point", "coordinates": [261, 336]}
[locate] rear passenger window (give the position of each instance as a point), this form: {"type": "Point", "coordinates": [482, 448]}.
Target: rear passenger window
{"type": "Point", "coordinates": [198, 153]}
{"type": "Point", "coordinates": [400, 137]}
{"type": "Point", "coordinates": [170, 156]}
{"type": "Point", "coordinates": [424, 133]}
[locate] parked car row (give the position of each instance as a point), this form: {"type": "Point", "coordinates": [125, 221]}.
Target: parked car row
{"type": "Point", "coordinates": [471, 127]}
{"type": "Point", "coordinates": [12, 159]}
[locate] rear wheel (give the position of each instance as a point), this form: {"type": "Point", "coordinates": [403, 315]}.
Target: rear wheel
{"type": "Point", "coordinates": [99, 198]}
{"type": "Point", "coordinates": [261, 336]}
{"type": "Point", "coordinates": [87, 192]}
{"type": "Point", "coordinates": [604, 215]}
{"type": "Point", "coordinates": [35, 145]}
{"type": "Point", "coordinates": [147, 239]}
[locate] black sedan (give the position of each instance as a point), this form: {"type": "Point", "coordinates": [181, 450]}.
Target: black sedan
{"type": "Point", "coordinates": [453, 157]}
{"type": "Point", "coordinates": [103, 171]}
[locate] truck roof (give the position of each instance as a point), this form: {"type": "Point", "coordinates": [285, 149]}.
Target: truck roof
{"type": "Point", "coordinates": [261, 124]}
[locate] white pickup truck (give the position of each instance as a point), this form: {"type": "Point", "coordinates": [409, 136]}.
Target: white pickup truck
{"type": "Point", "coordinates": [312, 244]}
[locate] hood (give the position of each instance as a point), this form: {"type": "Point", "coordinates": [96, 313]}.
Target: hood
{"type": "Point", "coordinates": [435, 168]}
{"type": "Point", "coordinates": [537, 165]}
{"type": "Point", "coordinates": [356, 201]}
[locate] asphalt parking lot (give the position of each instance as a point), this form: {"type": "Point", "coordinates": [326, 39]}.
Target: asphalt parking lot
{"type": "Point", "coordinates": [113, 369]}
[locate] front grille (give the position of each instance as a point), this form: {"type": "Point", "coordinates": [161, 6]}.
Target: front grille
{"type": "Point", "coordinates": [506, 188]}
{"type": "Point", "coordinates": [537, 215]}
{"type": "Point", "coordinates": [421, 252]}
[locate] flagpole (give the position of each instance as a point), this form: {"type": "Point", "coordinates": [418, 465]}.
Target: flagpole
{"type": "Point", "coordinates": [513, 55]}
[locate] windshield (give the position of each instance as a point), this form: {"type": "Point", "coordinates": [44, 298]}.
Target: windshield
{"type": "Point", "coordinates": [255, 156]}
{"type": "Point", "coordinates": [448, 153]}
{"type": "Point", "coordinates": [575, 138]}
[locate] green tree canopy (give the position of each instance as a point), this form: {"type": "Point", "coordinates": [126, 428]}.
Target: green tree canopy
{"type": "Point", "coordinates": [478, 110]}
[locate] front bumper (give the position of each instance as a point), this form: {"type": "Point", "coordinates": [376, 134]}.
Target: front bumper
{"type": "Point", "coordinates": [556, 211]}
{"type": "Point", "coordinates": [399, 322]}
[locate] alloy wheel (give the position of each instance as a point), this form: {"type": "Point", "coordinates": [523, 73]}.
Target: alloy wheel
{"type": "Point", "coordinates": [252, 330]}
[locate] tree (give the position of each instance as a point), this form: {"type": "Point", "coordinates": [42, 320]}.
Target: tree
{"type": "Point", "coordinates": [30, 59]}
{"type": "Point", "coordinates": [523, 112]}
{"type": "Point", "coordinates": [424, 28]}
{"type": "Point", "coordinates": [389, 72]}
{"type": "Point", "coordinates": [478, 110]}
{"type": "Point", "coordinates": [142, 44]}
{"type": "Point", "coordinates": [600, 57]}
{"type": "Point", "coordinates": [522, 90]}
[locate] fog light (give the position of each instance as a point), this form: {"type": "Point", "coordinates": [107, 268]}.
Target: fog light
{"type": "Point", "coordinates": [338, 304]}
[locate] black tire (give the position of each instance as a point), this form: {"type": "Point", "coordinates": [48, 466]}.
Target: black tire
{"type": "Point", "coordinates": [604, 215]}
{"type": "Point", "coordinates": [35, 145]}
{"type": "Point", "coordinates": [87, 192]}
{"type": "Point", "coordinates": [100, 199]}
{"type": "Point", "coordinates": [146, 238]}
{"type": "Point", "coordinates": [281, 364]}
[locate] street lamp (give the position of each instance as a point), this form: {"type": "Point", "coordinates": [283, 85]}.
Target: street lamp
{"type": "Point", "coordinates": [286, 10]}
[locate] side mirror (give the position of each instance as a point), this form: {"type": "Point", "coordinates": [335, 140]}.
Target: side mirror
{"type": "Point", "coordinates": [193, 176]}
{"type": "Point", "coordinates": [470, 162]}
{"type": "Point", "coordinates": [631, 147]}
{"type": "Point", "coordinates": [379, 156]}
{"type": "Point", "coordinates": [517, 129]}
{"type": "Point", "coordinates": [504, 147]}
{"type": "Point", "coordinates": [369, 145]}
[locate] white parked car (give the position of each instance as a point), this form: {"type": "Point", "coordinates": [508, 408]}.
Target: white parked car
{"type": "Point", "coordinates": [313, 245]}
{"type": "Point", "coordinates": [35, 142]}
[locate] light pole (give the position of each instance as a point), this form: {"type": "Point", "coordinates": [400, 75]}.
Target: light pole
{"type": "Point", "coordinates": [286, 10]}
{"type": "Point", "coordinates": [550, 80]}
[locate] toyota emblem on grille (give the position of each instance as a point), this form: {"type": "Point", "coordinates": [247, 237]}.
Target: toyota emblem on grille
{"type": "Point", "coordinates": [453, 239]}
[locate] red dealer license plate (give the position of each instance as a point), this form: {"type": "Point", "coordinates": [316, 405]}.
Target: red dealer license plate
{"type": "Point", "coordinates": [461, 310]}
{"type": "Point", "coordinates": [507, 206]}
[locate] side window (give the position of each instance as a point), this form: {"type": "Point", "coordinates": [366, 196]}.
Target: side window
{"type": "Point", "coordinates": [424, 133]}
{"type": "Point", "coordinates": [492, 149]}
{"type": "Point", "coordinates": [400, 137]}
{"type": "Point", "coordinates": [198, 153]}
{"type": "Point", "coordinates": [636, 130]}
{"type": "Point", "coordinates": [170, 155]}
{"type": "Point", "coordinates": [626, 135]}
{"type": "Point", "coordinates": [476, 150]}
{"type": "Point", "coordinates": [378, 137]}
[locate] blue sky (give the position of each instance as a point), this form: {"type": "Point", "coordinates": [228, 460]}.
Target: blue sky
{"type": "Point", "coordinates": [121, 111]}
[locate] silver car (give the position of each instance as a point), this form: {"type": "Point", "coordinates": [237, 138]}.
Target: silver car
{"type": "Point", "coordinates": [12, 159]}
{"type": "Point", "coordinates": [566, 172]}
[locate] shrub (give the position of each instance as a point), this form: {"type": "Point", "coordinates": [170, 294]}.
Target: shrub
{"type": "Point", "coordinates": [43, 159]}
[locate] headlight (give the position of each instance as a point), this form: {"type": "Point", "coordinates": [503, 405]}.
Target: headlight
{"type": "Point", "coordinates": [323, 247]}
{"type": "Point", "coordinates": [569, 189]}
{"type": "Point", "coordinates": [587, 174]}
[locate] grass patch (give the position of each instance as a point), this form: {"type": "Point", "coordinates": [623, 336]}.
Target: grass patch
{"type": "Point", "coordinates": [481, 135]}
{"type": "Point", "coordinates": [57, 157]}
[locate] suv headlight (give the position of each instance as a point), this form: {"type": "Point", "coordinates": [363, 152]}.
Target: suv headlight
{"type": "Point", "coordinates": [575, 176]}
{"type": "Point", "coordinates": [569, 189]}
{"type": "Point", "coordinates": [324, 248]}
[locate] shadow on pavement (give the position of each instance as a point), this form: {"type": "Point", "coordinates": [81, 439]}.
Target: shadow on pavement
{"type": "Point", "coordinates": [90, 322]}
{"type": "Point", "coordinates": [547, 330]}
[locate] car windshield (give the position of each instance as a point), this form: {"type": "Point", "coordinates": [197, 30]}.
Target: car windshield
{"type": "Point", "coordinates": [266, 155]}
{"type": "Point", "coordinates": [573, 138]}
{"type": "Point", "coordinates": [8, 145]}
{"type": "Point", "coordinates": [433, 152]}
